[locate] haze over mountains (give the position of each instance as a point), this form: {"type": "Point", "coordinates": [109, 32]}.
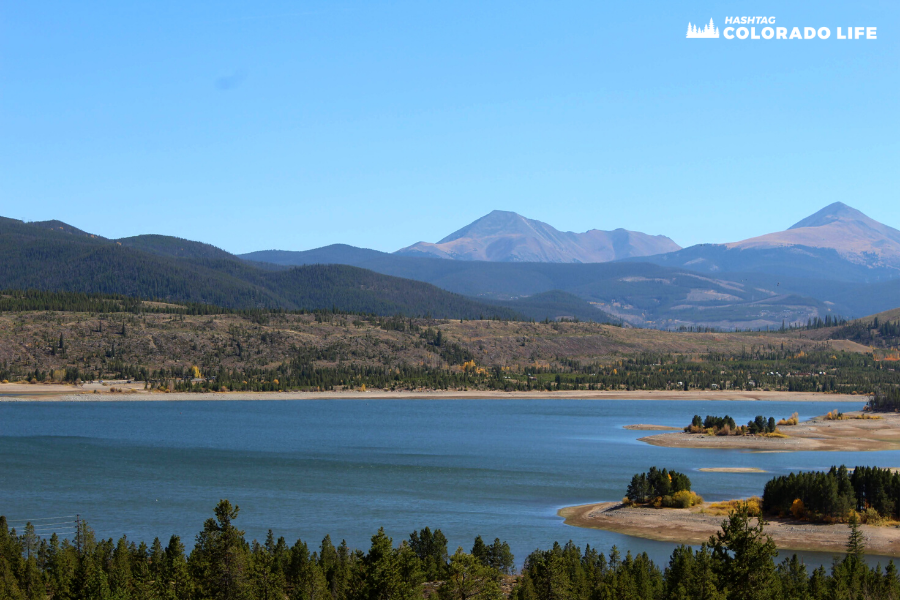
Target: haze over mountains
{"type": "Point", "coordinates": [759, 282]}
{"type": "Point", "coordinates": [852, 234]}
{"type": "Point", "coordinates": [838, 261]}
{"type": "Point", "coordinates": [503, 236]}
{"type": "Point", "coordinates": [836, 243]}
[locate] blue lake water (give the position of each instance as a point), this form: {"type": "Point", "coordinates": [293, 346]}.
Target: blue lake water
{"type": "Point", "coordinates": [498, 468]}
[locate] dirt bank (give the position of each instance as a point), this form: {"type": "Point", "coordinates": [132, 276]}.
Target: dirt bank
{"type": "Point", "coordinates": [732, 470]}
{"type": "Point", "coordinates": [816, 434]}
{"type": "Point", "coordinates": [691, 526]}
{"type": "Point", "coordinates": [58, 392]}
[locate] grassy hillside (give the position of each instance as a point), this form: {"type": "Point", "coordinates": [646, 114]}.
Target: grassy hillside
{"type": "Point", "coordinates": [277, 350]}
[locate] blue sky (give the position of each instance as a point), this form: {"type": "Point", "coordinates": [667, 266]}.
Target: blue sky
{"type": "Point", "coordinates": [298, 124]}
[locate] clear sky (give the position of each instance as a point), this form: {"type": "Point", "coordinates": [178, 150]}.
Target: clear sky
{"type": "Point", "coordinates": [294, 125]}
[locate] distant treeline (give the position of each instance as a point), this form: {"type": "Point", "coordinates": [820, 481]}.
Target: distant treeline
{"type": "Point", "coordinates": [811, 323]}
{"type": "Point", "coordinates": [737, 563]}
{"type": "Point", "coordinates": [885, 400]}
{"type": "Point", "coordinates": [828, 321]}
{"type": "Point", "coordinates": [726, 425]}
{"type": "Point", "coordinates": [816, 372]}
{"type": "Point", "coordinates": [38, 300]}
{"type": "Point", "coordinates": [884, 334]}
{"type": "Point", "coordinates": [832, 495]}
{"type": "Point", "coordinates": [825, 371]}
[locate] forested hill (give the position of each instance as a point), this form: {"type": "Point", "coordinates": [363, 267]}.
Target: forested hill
{"type": "Point", "coordinates": [62, 258]}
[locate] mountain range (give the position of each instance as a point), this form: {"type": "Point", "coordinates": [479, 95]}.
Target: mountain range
{"type": "Point", "coordinates": [836, 243]}
{"type": "Point", "coordinates": [503, 236]}
{"type": "Point", "coordinates": [54, 256]}
{"type": "Point", "coordinates": [837, 261]}
{"type": "Point", "coordinates": [758, 282]}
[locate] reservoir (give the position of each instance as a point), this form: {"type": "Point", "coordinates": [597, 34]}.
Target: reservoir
{"type": "Point", "coordinates": [307, 468]}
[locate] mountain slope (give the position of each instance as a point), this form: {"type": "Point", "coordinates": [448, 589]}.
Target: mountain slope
{"type": "Point", "coordinates": [640, 293]}
{"type": "Point", "coordinates": [341, 254]}
{"type": "Point", "coordinates": [503, 236]}
{"type": "Point", "coordinates": [855, 236]}
{"type": "Point", "coordinates": [838, 244]}
{"type": "Point", "coordinates": [37, 257]}
{"type": "Point", "coordinates": [165, 245]}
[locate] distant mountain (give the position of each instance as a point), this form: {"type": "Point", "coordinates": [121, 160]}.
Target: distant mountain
{"type": "Point", "coordinates": [340, 254]}
{"type": "Point", "coordinates": [503, 236]}
{"type": "Point", "coordinates": [639, 293]}
{"type": "Point", "coordinates": [556, 305]}
{"type": "Point", "coordinates": [856, 237]}
{"type": "Point", "coordinates": [838, 243]}
{"type": "Point", "coordinates": [62, 258]}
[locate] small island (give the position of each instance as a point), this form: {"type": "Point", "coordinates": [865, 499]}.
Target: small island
{"type": "Point", "coordinates": [852, 431]}
{"type": "Point", "coordinates": [807, 511]}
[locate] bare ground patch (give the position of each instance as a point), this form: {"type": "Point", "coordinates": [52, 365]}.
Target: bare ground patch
{"type": "Point", "coordinates": [692, 526]}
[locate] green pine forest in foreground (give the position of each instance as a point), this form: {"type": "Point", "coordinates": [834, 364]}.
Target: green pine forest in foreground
{"type": "Point", "coordinates": [739, 562]}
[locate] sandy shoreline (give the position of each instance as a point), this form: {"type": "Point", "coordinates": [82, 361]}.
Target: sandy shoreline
{"type": "Point", "coordinates": [49, 393]}
{"type": "Point", "coordinates": [731, 470]}
{"type": "Point", "coordinates": [689, 526]}
{"type": "Point", "coordinates": [816, 434]}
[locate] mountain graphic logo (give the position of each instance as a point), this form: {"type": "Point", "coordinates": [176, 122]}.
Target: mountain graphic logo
{"type": "Point", "coordinates": [710, 31]}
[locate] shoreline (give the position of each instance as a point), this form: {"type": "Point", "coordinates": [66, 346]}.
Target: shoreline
{"type": "Point", "coordinates": [693, 527]}
{"type": "Point", "coordinates": [68, 393]}
{"type": "Point", "coordinates": [816, 434]}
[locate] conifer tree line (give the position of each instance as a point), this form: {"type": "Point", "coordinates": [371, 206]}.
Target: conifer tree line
{"type": "Point", "coordinates": [816, 372]}
{"type": "Point", "coordinates": [657, 483]}
{"type": "Point", "coordinates": [877, 332]}
{"type": "Point", "coordinates": [835, 495]}
{"type": "Point", "coordinates": [739, 562]}
{"type": "Point", "coordinates": [223, 566]}
{"type": "Point", "coordinates": [726, 425]}
{"type": "Point", "coordinates": [885, 399]}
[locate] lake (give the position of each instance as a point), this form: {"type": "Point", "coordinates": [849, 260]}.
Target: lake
{"type": "Point", "coordinates": [496, 468]}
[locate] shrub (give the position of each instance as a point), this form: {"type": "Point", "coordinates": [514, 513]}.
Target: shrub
{"type": "Point", "coordinates": [797, 509]}
{"type": "Point", "coordinates": [793, 420]}
{"type": "Point", "coordinates": [682, 499]}
{"type": "Point", "coordinates": [753, 506]}
{"type": "Point", "coordinates": [871, 517]}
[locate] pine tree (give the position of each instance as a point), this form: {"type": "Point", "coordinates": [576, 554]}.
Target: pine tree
{"type": "Point", "coordinates": [468, 579]}
{"type": "Point", "coordinates": [219, 561]}
{"type": "Point", "coordinates": [855, 542]}
{"type": "Point", "coordinates": [743, 555]}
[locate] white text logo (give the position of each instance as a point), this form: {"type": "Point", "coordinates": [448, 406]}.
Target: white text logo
{"type": "Point", "coordinates": [710, 31]}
